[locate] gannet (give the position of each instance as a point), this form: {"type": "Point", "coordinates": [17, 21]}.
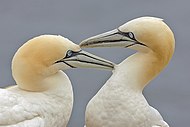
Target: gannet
{"type": "Point", "coordinates": [120, 102]}
{"type": "Point", "coordinates": [43, 96]}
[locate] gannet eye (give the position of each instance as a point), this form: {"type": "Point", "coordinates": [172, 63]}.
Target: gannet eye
{"type": "Point", "coordinates": [131, 35]}
{"type": "Point", "coordinates": [69, 53]}
{"type": "Point", "coordinates": [127, 34]}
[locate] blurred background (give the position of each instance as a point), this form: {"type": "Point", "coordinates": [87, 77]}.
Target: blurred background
{"type": "Point", "coordinates": [21, 20]}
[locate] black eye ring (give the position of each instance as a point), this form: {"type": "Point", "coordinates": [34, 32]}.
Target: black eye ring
{"type": "Point", "coordinates": [131, 35]}
{"type": "Point", "coordinates": [69, 53]}
{"type": "Point", "coordinates": [127, 34]}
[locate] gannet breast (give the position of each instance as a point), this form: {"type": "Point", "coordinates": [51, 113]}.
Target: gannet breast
{"type": "Point", "coordinates": [16, 111]}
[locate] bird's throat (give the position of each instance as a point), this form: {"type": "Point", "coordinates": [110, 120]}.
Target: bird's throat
{"type": "Point", "coordinates": [138, 70]}
{"type": "Point", "coordinates": [55, 81]}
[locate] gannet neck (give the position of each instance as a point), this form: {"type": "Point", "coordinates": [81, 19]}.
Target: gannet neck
{"type": "Point", "coordinates": [138, 70]}
{"type": "Point", "coordinates": [57, 82]}
{"type": "Point", "coordinates": [159, 42]}
{"type": "Point", "coordinates": [150, 37]}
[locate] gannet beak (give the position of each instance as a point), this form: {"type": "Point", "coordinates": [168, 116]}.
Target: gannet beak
{"type": "Point", "coordinates": [82, 59]}
{"type": "Point", "coordinates": [114, 38]}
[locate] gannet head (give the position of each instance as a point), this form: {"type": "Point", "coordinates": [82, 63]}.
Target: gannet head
{"type": "Point", "coordinates": [45, 55]}
{"type": "Point", "coordinates": [143, 34]}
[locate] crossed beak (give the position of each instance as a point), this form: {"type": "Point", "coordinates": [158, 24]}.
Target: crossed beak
{"type": "Point", "coordinates": [82, 59]}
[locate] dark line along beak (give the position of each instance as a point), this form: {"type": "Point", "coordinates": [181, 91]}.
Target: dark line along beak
{"type": "Point", "coordinates": [84, 59]}
{"type": "Point", "coordinates": [114, 38]}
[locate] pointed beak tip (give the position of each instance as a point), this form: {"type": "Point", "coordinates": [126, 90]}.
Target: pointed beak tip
{"type": "Point", "coordinates": [87, 43]}
{"type": "Point", "coordinates": [112, 65]}
{"type": "Point", "coordinates": [83, 43]}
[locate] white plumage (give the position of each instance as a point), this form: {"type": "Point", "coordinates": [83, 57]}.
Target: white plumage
{"type": "Point", "coordinates": [43, 96]}
{"type": "Point", "coordinates": [120, 102]}
{"type": "Point", "coordinates": [19, 108]}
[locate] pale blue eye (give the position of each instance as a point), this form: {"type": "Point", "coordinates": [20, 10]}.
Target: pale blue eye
{"type": "Point", "coordinates": [69, 53]}
{"type": "Point", "coordinates": [131, 35]}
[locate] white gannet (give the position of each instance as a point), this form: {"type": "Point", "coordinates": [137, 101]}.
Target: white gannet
{"type": "Point", "coordinates": [43, 96]}
{"type": "Point", "coordinates": [120, 102]}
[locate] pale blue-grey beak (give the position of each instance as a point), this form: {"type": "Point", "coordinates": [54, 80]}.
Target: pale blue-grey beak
{"type": "Point", "coordinates": [84, 59]}
{"type": "Point", "coordinates": [113, 38]}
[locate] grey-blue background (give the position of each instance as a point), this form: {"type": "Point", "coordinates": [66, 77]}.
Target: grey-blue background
{"type": "Point", "coordinates": [21, 20]}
